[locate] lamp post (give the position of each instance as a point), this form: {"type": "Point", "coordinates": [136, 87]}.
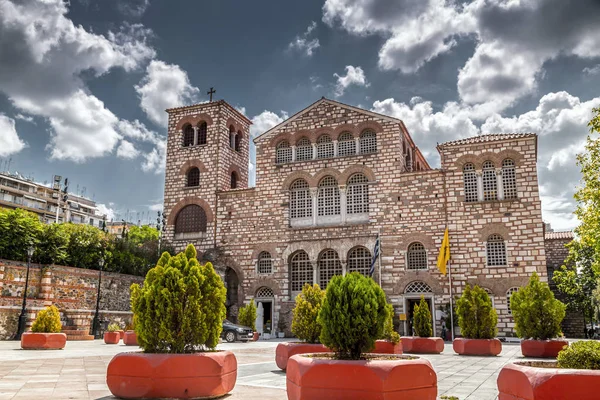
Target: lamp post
{"type": "Point", "coordinates": [96, 322]}
{"type": "Point", "coordinates": [23, 316]}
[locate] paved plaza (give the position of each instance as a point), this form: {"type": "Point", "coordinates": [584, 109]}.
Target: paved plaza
{"type": "Point", "coordinates": [79, 371]}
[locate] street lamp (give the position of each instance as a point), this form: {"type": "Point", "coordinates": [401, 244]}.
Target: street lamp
{"type": "Point", "coordinates": [23, 316]}
{"type": "Point", "coordinates": [96, 323]}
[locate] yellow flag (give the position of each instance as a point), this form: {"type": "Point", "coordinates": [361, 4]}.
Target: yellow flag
{"type": "Point", "coordinates": [444, 253]}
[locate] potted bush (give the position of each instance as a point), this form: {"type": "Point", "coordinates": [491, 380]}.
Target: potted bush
{"type": "Point", "coordinates": [130, 338]}
{"type": "Point", "coordinates": [538, 315]}
{"type": "Point", "coordinates": [423, 343]}
{"type": "Point", "coordinates": [112, 334]}
{"type": "Point", "coordinates": [389, 342]}
{"type": "Point", "coordinates": [576, 375]}
{"type": "Point", "coordinates": [352, 318]}
{"type": "Point", "coordinates": [178, 313]}
{"type": "Point", "coordinates": [281, 325]}
{"type": "Point", "coordinates": [45, 332]}
{"type": "Point", "coordinates": [247, 317]}
{"type": "Point", "coordinates": [477, 320]}
{"type": "Point", "coordinates": [304, 326]}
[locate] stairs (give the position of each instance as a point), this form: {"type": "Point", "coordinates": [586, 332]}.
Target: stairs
{"type": "Point", "coordinates": [74, 333]}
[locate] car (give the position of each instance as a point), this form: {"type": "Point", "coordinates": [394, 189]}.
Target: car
{"type": "Point", "coordinates": [232, 332]}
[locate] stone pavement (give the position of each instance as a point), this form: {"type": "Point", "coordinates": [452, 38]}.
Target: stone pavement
{"type": "Point", "coordinates": [79, 371]}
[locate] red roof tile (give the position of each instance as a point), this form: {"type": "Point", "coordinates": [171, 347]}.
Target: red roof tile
{"type": "Point", "coordinates": [559, 235]}
{"type": "Point", "coordinates": [491, 137]}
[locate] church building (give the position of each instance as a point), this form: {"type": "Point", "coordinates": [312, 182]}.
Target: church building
{"type": "Point", "coordinates": [330, 181]}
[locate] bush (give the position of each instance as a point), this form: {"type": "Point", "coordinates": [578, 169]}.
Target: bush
{"type": "Point", "coordinates": [47, 321]}
{"type": "Point", "coordinates": [18, 230]}
{"type": "Point", "coordinates": [304, 321]}
{"type": "Point", "coordinates": [536, 312]}
{"type": "Point", "coordinates": [352, 315]}
{"type": "Point", "coordinates": [476, 315]}
{"type": "Point", "coordinates": [389, 333]}
{"type": "Point", "coordinates": [247, 315]}
{"type": "Point", "coordinates": [422, 319]}
{"type": "Point", "coordinates": [580, 355]}
{"type": "Point", "coordinates": [181, 306]}
{"type": "Point", "coordinates": [114, 327]}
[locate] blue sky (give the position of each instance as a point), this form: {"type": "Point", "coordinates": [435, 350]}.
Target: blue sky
{"type": "Point", "coordinates": [83, 85]}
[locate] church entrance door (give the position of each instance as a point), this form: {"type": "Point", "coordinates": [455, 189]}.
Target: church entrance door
{"type": "Point", "coordinates": [412, 296]}
{"type": "Point", "coordinates": [265, 300]}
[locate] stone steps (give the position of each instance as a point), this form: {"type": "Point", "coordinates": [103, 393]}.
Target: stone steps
{"type": "Point", "coordinates": [74, 333]}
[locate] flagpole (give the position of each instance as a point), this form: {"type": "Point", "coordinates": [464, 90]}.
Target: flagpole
{"type": "Point", "coordinates": [451, 305]}
{"type": "Point", "coordinates": [449, 266]}
{"type": "Point", "coordinates": [380, 254]}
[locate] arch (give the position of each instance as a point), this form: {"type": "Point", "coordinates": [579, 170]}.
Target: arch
{"type": "Point", "coordinates": [192, 163]}
{"type": "Point", "coordinates": [296, 136]}
{"type": "Point", "coordinates": [301, 270]}
{"type": "Point", "coordinates": [304, 149]}
{"type": "Point", "coordinates": [416, 256]}
{"type": "Point", "coordinates": [268, 247]}
{"type": "Point", "coordinates": [369, 125]}
{"type": "Point", "coordinates": [491, 228]}
{"type": "Point", "coordinates": [325, 172]}
{"type": "Point", "coordinates": [424, 276]}
{"type": "Point", "coordinates": [417, 287]}
{"type": "Point", "coordinates": [329, 265]}
{"type": "Point", "coordinates": [300, 199]}
{"type": "Point", "coordinates": [423, 238]}
{"type": "Point", "coordinates": [346, 144]}
{"type": "Point", "coordinates": [322, 131]}
{"type": "Point", "coordinates": [280, 138]}
{"type": "Point", "coordinates": [325, 147]}
{"type": "Point", "coordinates": [264, 263]}
{"type": "Point", "coordinates": [357, 194]}
{"type": "Point", "coordinates": [328, 197]}
{"type": "Point", "coordinates": [359, 259]}
{"type": "Point", "coordinates": [267, 282]}
{"type": "Point", "coordinates": [294, 176]}
{"type": "Point", "coordinates": [191, 219]}
{"type": "Point", "coordinates": [467, 159]}
{"type": "Point", "coordinates": [187, 201]}
{"type": "Point", "coordinates": [357, 169]}
{"type": "Point", "coordinates": [283, 152]}
{"type": "Point", "coordinates": [188, 135]}
{"type": "Point", "coordinates": [490, 181]}
{"type": "Point", "coordinates": [236, 125]}
{"type": "Point", "coordinates": [345, 128]}
{"type": "Point", "coordinates": [368, 142]}
{"type": "Point", "coordinates": [194, 120]}
{"type": "Point", "coordinates": [264, 292]}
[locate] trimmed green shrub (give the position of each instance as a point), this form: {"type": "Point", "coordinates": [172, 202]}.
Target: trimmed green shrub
{"type": "Point", "coordinates": [389, 333]}
{"type": "Point", "coordinates": [181, 306]}
{"type": "Point", "coordinates": [476, 315]}
{"type": "Point", "coordinates": [422, 319]}
{"type": "Point", "coordinates": [114, 327]}
{"type": "Point", "coordinates": [306, 311]}
{"type": "Point", "coordinates": [580, 355]}
{"type": "Point", "coordinates": [352, 315]}
{"type": "Point", "coordinates": [247, 315]}
{"type": "Point", "coordinates": [536, 312]}
{"type": "Point", "coordinates": [47, 321]}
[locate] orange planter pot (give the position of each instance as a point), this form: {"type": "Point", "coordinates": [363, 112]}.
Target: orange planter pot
{"type": "Point", "coordinates": [477, 347]}
{"type": "Point", "coordinates": [285, 350]}
{"type": "Point", "coordinates": [255, 336]}
{"type": "Point", "coordinates": [43, 341]}
{"type": "Point", "coordinates": [385, 347]}
{"type": "Point", "coordinates": [401, 379]}
{"type": "Point", "coordinates": [111, 337]}
{"type": "Point", "coordinates": [521, 382]}
{"type": "Point", "coordinates": [179, 376]}
{"type": "Point", "coordinates": [419, 345]}
{"type": "Point", "coordinates": [130, 338]}
{"type": "Point", "coordinates": [542, 348]}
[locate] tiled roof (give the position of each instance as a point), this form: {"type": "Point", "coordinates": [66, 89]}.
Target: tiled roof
{"type": "Point", "coordinates": [559, 235]}
{"type": "Point", "coordinates": [491, 137]}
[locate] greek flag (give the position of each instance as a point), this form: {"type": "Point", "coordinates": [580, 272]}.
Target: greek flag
{"type": "Point", "coordinates": [375, 255]}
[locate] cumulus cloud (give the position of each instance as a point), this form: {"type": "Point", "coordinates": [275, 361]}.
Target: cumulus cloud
{"type": "Point", "coordinates": [595, 70]}
{"type": "Point", "coordinates": [10, 142]}
{"type": "Point", "coordinates": [303, 43]}
{"type": "Point", "coordinates": [127, 150]}
{"type": "Point", "coordinates": [106, 210]}
{"type": "Point", "coordinates": [354, 76]}
{"type": "Point", "coordinates": [155, 160]}
{"type": "Point", "coordinates": [265, 121]}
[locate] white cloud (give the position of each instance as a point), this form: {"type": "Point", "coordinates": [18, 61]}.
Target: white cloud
{"type": "Point", "coordinates": [127, 150]}
{"type": "Point", "coordinates": [156, 207]}
{"type": "Point", "coordinates": [265, 121]}
{"type": "Point", "coordinates": [155, 160]}
{"type": "Point", "coordinates": [595, 70]}
{"type": "Point", "coordinates": [303, 43]}
{"type": "Point", "coordinates": [26, 118]}
{"type": "Point", "coordinates": [10, 142]}
{"type": "Point", "coordinates": [354, 76]}
{"type": "Point", "coordinates": [106, 210]}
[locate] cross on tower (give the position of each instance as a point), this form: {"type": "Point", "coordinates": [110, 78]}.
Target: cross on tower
{"type": "Point", "coordinates": [211, 92]}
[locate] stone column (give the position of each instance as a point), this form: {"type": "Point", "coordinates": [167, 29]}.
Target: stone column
{"type": "Point", "coordinates": [357, 145]}
{"type": "Point", "coordinates": [315, 265]}
{"type": "Point", "coordinates": [343, 203]}
{"type": "Point", "coordinates": [46, 286]}
{"type": "Point", "coordinates": [335, 148]}
{"type": "Point", "coordinates": [479, 175]}
{"type": "Point", "coordinates": [344, 266]}
{"type": "Point", "coordinates": [293, 153]}
{"type": "Point", "coordinates": [195, 135]}
{"type": "Point", "coordinates": [314, 147]}
{"type": "Point", "coordinates": [500, 187]}
{"type": "Point", "coordinates": [313, 194]}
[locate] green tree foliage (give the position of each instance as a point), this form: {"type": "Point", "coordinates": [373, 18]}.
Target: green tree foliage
{"type": "Point", "coordinates": [53, 242]}
{"type": "Point", "coordinates": [389, 333]}
{"type": "Point", "coordinates": [580, 355]}
{"type": "Point", "coordinates": [247, 315]}
{"type": "Point", "coordinates": [138, 236]}
{"type": "Point", "coordinates": [181, 306]}
{"type": "Point", "coordinates": [537, 314]}
{"type": "Point", "coordinates": [306, 311]}
{"type": "Point", "coordinates": [86, 245]}
{"type": "Point", "coordinates": [352, 315]}
{"type": "Point", "coordinates": [18, 230]}
{"type": "Point", "coordinates": [476, 315]}
{"type": "Point", "coordinates": [47, 321]}
{"type": "Point", "coordinates": [422, 319]}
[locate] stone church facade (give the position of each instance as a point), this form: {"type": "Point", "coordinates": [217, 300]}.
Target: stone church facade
{"type": "Point", "coordinates": [329, 180]}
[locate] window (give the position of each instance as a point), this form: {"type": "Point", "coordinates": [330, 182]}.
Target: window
{"type": "Point", "coordinates": [283, 153]}
{"type": "Point", "coordinates": [232, 136]}
{"type": "Point", "coordinates": [418, 287]}
{"type": "Point", "coordinates": [202, 129]}
{"type": "Point", "coordinates": [234, 179]}
{"type": "Point", "coordinates": [264, 293]}
{"type": "Point", "coordinates": [416, 256]}
{"type": "Point", "coordinates": [368, 142]}
{"type": "Point", "coordinates": [496, 251]}
{"type": "Point", "coordinates": [264, 265]}
{"type": "Point", "coordinates": [300, 200]}
{"type": "Point", "coordinates": [304, 150]}
{"type": "Point", "coordinates": [509, 293]}
{"type": "Point", "coordinates": [357, 198]}
{"type": "Point", "coordinates": [238, 141]}
{"type": "Point", "coordinates": [490, 185]}
{"type": "Point", "coordinates": [188, 136]}
{"type": "Point", "coordinates": [346, 145]}
{"type": "Point", "coordinates": [470, 182]}
{"type": "Point", "coordinates": [359, 260]}
{"type": "Point", "coordinates": [193, 177]}
{"type": "Point", "coordinates": [509, 179]}
{"type": "Point", "coordinates": [325, 147]}
{"type": "Point", "coordinates": [190, 219]}
{"type": "Point", "coordinates": [329, 266]}
{"type": "Point", "coordinates": [301, 271]}
{"type": "Point", "coordinates": [328, 198]}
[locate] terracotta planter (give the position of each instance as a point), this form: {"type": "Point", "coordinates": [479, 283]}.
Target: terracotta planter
{"type": "Point", "coordinates": [121, 334]}
{"type": "Point", "coordinates": [321, 378]}
{"type": "Point", "coordinates": [385, 347]}
{"type": "Point", "coordinates": [477, 347]}
{"type": "Point", "coordinates": [521, 382]}
{"type": "Point", "coordinates": [111, 337]}
{"type": "Point", "coordinates": [285, 350]}
{"type": "Point", "coordinates": [419, 345]}
{"type": "Point", "coordinates": [43, 341]}
{"type": "Point", "coordinates": [255, 336]}
{"type": "Point", "coordinates": [130, 338]}
{"type": "Point", "coordinates": [542, 348]}
{"type": "Point", "coordinates": [179, 376]}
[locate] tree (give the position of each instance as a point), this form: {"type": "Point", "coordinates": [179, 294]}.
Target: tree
{"type": "Point", "coordinates": [305, 313]}
{"type": "Point", "coordinates": [19, 229]}
{"type": "Point", "coordinates": [138, 236]}
{"type": "Point", "coordinates": [422, 319]}
{"type": "Point", "coordinates": [53, 242]}
{"type": "Point", "coordinates": [86, 245]}
{"type": "Point", "coordinates": [476, 316]}
{"type": "Point", "coordinates": [247, 315]}
{"type": "Point", "coordinates": [389, 333]}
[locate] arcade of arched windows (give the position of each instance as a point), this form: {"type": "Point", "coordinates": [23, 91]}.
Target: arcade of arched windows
{"type": "Point", "coordinates": [491, 182]}
{"type": "Point", "coordinates": [195, 135]}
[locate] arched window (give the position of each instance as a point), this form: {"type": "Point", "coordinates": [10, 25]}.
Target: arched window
{"type": "Point", "coordinates": [509, 179]}
{"type": "Point", "coordinates": [193, 177]}
{"type": "Point", "coordinates": [328, 198]}
{"type": "Point", "coordinates": [416, 256]}
{"type": "Point", "coordinates": [238, 141]}
{"type": "Point", "coordinates": [301, 271]}
{"type": "Point", "coordinates": [470, 182]}
{"type": "Point", "coordinates": [346, 145]}
{"type": "Point", "coordinates": [329, 266]}
{"type": "Point", "coordinates": [264, 264]}
{"type": "Point", "coordinates": [359, 260]}
{"type": "Point", "coordinates": [509, 294]}
{"type": "Point", "coordinates": [325, 147]}
{"type": "Point", "coordinates": [304, 150]}
{"type": "Point", "coordinates": [490, 184]}
{"type": "Point", "coordinates": [191, 219]}
{"type": "Point", "coordinates": [234, 179]}
{"type": "Point", "coordinates": [417, 287]}
{"type": "Point", "coordinates": [188, 136]}
{"type": "Point", "coordinates": [496, 251]}
{"type": "Point", "coordinates": [357, 197]}
{"type": "Point", "coordinates": [368, 142]}
{"type": "Point", "coordinates": [300, 200]}
{"type": "Point", "coordinates": [264, 293]}
{"type": "Point", "coordinates": [202, 130]}
{"type": "Point", "coordinates": [283, 152]}
{"type": "Point", "coordinates": [232, 136]}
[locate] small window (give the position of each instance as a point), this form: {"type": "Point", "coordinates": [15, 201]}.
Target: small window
{"type": "Point", "coordinates": [232, 136]}
{"type": "Point", "coordinates": [202, 130]}
{"type": "Point", "coordinates": [418, 287]}
{"type": "Point", "coordinates": [470, 183]}
{"type": "Point", "coordinates": [496, 251]}
{"type": "Point", "coordinates": [357, 197]}
{"type": "Point", "coordinates": [283, 153]}
{"type": "Point", "coordinates": [301, 271]}
{"type": "Point", "coordinates": [329, 266]}
{"type": "Point", "coordinates": [509, 294]}
{"type": "Point", "coordinates": [328, 197]}
{"type": "Point", "coordinates": [346, 145]}
{"type": "Point", "coordinates": [416, 257]}
{"type": "Point", "coordinates": [490, 183]}
{"type": "Point", "coordinates": [234, 180]}
{"type": "Point", "coordinates": [359, 260]}
{"type": "Point", "coordinates": [300, 200]}
{"type": "Point", "coordinates": [509, 179]}
{"type": "Point", "coordinates": [264, 293]}
{"type": "Point", "coordinates": [238, 141]}
{"type": "Point", "coordinates": [264, 264]}
{"type": "Point", "coordinates": [191, 219]}
{"type": "Point", "coordinates": [325, 148]}
{"type": "Point", "coordinates": [188, 136]}
{"type": "Point", "coordinates": [368, 142]}
{"type": "Point", "coordinates": [304, 150]}
{"type": "Point", "coordinates": [193, 177]}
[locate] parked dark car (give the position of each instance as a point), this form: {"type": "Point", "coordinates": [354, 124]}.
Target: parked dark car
{"type": "Point", "coordinates": [232, 332]}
